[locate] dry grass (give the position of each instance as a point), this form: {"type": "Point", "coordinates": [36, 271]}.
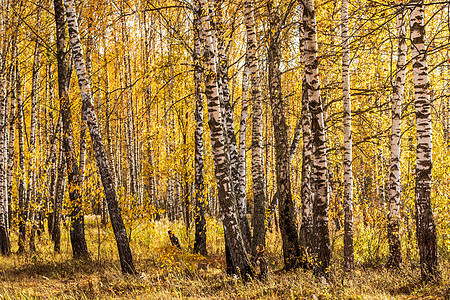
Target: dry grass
{"type": "Point", "coordinates": [166, 273]}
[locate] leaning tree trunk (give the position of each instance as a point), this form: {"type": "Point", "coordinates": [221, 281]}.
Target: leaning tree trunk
{"type": "Point", "coordinates": [83, 125]}
{"type": "Point", "coordinates": [395, 257]}
{"type": "Point", "coordinates": [320, 209]}
{"type": "Point", "coordinates": [349, 263]}
{"type": "Point", "coordinates": [425, 226]}
{"type": "Point", "coordinates": [288, 225]}
{"type": "Point", "coordinates": [77, 236]}
{"type": "Point", "coordinates": [199, 214]}
{"type": "Point", "coordinates": [259, 198]}
{"type": "Point", "coordinates": [126, 259]}
{"type": "Point", "coordinates": [233, 236]}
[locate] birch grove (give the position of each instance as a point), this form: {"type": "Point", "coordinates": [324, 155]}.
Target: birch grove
{"type": "Point", "coordinates": [228, 142]}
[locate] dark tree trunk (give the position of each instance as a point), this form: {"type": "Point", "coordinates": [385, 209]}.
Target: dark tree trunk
{"type": "Point", "coordinates": [23, 209]}
{"type": "Point", "coordinates": [288, 225]}
{"type": "Point", "coordinates": [31, 192]}
{"type": "Point", "coordinates": [77, 236]}
{"type": "Point", "coordinates": [126, 258]}
{"type": "Point", "coordinates": [200, 221]}
{"type": "Point", "coordinates": [58, 200]}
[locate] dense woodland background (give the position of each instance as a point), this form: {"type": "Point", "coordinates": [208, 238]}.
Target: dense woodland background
{"type": "Point", "coordinates": [265, 135]}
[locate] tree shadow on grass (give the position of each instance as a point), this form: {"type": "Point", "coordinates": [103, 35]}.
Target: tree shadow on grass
{"type": "Point", "coordinates": [59, 270]}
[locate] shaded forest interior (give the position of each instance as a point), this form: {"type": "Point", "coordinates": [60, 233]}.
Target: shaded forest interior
{"type": "Point", "coordinates": [215, 148]}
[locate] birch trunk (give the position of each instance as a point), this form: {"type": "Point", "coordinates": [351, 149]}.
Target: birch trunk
{"type": "Point", "coordinates": [349, 263]}
{"type": "Point", "coordinates": [222, 69]}
{"type": "Point", "coordinates": [77, 235]}
{"type": "Point", "coordinates": [31, 192]}
{"type": "Point", "coordinates": [320, 209]}
{"type": "Point", "coordinates": [53, 171]}
{"type": "Point", "coordinates": [199, 215]}
{"type": "Point", "coordinates": [288, 226]}
{"type": "Point", "coordinates": [307, 228]}
{"type": "Point", "coordinates": [22, 214]}
{"type": "Point", "coordinates": [126, 259]}
{"type": "Point", "coordinates": [234, 240]}
{"type": "Point", "coordinates": [295, 139]}
{"type": "Point", "coordinates": [395, 258]}
{"type": "Point", "coordinates": [52, 132]}
{"type": "Point", "coordinates": [59, 198]}
{"type": "Point", "coordinates": [259, 197]}
{"type": "Point", "coordinates": [425, 226]}
{"type": "Point", "coordinates": [109, 144]}
{"type": "Point", "coordinates": [83, 125]}
{"type": "Point", "coordinates": [130, 127]}
{"type": "Point", "coordinates": [242, 199]}
{"type": "Point", "coordinates": [5, 245]}
{"type": "Point", "coordinates": [11, 140]}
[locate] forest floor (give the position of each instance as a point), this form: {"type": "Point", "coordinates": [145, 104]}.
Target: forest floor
{"type": "Point", "coordinates": [167, 273]}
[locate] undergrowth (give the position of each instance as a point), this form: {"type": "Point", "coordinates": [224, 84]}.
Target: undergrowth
{"type": "Point", "coordinates": [168, 273]}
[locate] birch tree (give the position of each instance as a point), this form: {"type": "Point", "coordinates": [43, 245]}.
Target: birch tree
{"type": "Point", "coordinates": [395, 257]}
{"type": "Point", "coordinates": [199, 216]}
{"type": "Point", "coordinates": [425, 226]}
{"type": "Point", "coordinates": [23, 209]}
{"type": "Point", "coordinates": [233, 236]}
{"type": "Point", "coordinates": [60, 186]}
{"type": "Point", "coordinates": [259, 198]}
{"type": "Point", "coordinates": [126, 259]}
{"type": "Point", "coordinates": [242, 199]}
{"type": "Point", "coordinates": [77, 235]}
{"type": "Point", "coordinates": [288, 226]}
{"type": "Point", "coordinates": [306, 229]}
{"type": "Point", "coordinates": [31, 192]}
{"type": "Point", "coordinates": [321, 201]}
{"type": "Point", "coordinates": [12, 134]}
{"type": "Point", "coordinates": [5, 246]}
{"type": "Point", "coordinates": [349, 263]}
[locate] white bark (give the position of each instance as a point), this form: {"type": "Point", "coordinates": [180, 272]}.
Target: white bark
{"type": "Point", "coordinates": [348, 175]}
{"type": "Point", "coordinates": [394, 178]}
{"type": "Point", "coordinates": [233, 235]}
{"type": "Point", "coordinates": [259, 215]}
{"type": "Point", "coordinates": [425, 226]}
{"type": "Point", "coordinates": [320, 182]}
